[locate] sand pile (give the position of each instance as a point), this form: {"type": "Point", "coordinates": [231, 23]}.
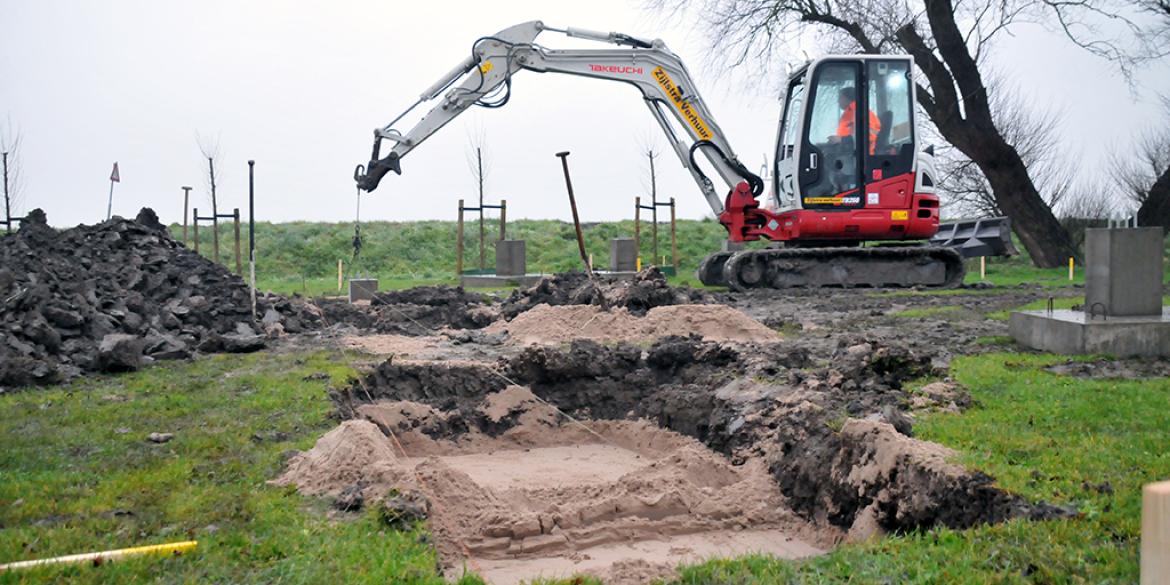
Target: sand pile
{"type": "Point", "coordinates": [547, 497]}
{"type": "Point", "coordinates": [546, 324]}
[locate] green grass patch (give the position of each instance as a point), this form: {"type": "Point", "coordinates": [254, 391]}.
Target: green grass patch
{"type": "Point", "coordinates": [945, 312]}
{"type": "Point", "coordinates": [1088, 443]}
{"type": "Point", "coordinates": [79, 476]}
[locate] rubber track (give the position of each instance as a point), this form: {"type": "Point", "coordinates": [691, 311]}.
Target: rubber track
{"type": "Point", "coordinates": [925, 266]}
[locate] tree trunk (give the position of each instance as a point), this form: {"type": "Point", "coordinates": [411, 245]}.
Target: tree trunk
{"type": "Point", "coordinates": [956, 80]}
{"type": "Point", "coordinates": [1045, 239]}
{"type": "Point", "coordinates": [1155, 210]}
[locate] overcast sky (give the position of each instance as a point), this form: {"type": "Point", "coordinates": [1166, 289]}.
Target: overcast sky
{"type": "Point", "coordinates": [299, 86]}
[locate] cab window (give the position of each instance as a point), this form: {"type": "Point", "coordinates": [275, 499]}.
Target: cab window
{"type": "Point", "coordinates": [890, 98]}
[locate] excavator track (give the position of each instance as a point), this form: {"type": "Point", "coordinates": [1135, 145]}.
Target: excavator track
{"type": "Point", "coordinates": [779, 268]}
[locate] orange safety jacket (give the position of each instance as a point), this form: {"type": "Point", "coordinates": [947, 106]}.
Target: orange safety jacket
{"type": "Point", "coordinates": [845, 126]}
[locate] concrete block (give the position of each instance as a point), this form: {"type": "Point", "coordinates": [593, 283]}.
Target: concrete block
{"type": "Point", "coordinates": [362, 289]}
{"type": "Point", "coordinates": [1076, 333]}
{"type": "Point", "coordinates": [1123, 271]}
{"type": "Point", "coordinates": [511, 258]}
{"type": "Point", "coordinates": [623, 255]}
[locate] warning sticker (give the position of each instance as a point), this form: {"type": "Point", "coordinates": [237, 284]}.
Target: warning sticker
{"type": "Point", "coordinates": [682, 104]}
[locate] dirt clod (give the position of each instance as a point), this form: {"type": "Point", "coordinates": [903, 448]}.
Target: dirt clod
{"type": "Point", "coordinates": [111, 296]}
{"type": "Point", "coordinates": [648, 289]}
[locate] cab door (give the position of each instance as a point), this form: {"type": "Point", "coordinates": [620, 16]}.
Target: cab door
{"type": "Point", "coordinates": [787, 155]}
{"type": "Point", "coordinates": [830, 164]}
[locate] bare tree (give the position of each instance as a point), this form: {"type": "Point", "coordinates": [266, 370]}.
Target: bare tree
{"type": "Point", "coordinates": [1143, 177]}
{"type": "Point", "coordinates": [210, 151]}
{"type": "Point", "coordinates": [949, 43]}
{"type": "Point", "coordinates": [13, 179]}
{"type": "Point", "coordinates": [479, 162]}
{"type": "Point", "coordinates": [1033, 132]}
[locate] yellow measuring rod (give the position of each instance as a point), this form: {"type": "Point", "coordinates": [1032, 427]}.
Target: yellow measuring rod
{"type": "Point", "coordinates": [175, 548]}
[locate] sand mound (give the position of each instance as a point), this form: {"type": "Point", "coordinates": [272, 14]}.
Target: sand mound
{"type": "Point", "coordinates": [546, 324]}
{"type": "Point", "coordinates": [344, 456]}
{"type": "Point", "coordinates": [550, 497]}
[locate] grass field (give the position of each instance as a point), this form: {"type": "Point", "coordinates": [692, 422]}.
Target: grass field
{"type": "Point", "coordinates": [301, 257]}
{"type": "Point", "coordinates": [80, 476]}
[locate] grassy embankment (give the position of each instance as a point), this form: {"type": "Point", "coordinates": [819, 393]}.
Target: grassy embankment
{"type": "Point", "coordinates": [80, 476]}
{"type": "Point", "coordinates": [302, 257]}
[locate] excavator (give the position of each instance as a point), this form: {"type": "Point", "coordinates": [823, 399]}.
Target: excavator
{"type": "Point", "coordinates": [847, 166]}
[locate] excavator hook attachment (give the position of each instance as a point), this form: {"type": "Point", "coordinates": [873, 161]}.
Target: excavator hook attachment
{"type": "Point", "coordinates": [368, 178]}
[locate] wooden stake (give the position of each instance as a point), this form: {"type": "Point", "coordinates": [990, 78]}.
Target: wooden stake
{"type": "Point", "coordinates": [673, 239]}
{"type": "Point", "coordinates": [503, 219]}
{"type": "Point", "coordinates": [340, 278]}
{"type": "Point", "coordinates": [459, 242]}
{"type": "Point", "coordinates": [1155, 549]}
{"type": "Point", "coordinates": [236, 220]}
{"type": "Point", "coordinates": [638, 230]}
{"type": "Point", "coordinates": [195, 226]}
{"type": "Point", "coordinates": [983, 268]}
{"type": "Point", "coordinates": [186, 200]}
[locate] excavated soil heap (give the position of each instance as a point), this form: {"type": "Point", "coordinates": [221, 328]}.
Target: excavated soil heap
{"type": "Point", "coordinates": [110, 296]}
{"type": "Point", "coordinates": [836, 438]}
{"type": "Point", "coordinates": [648, 289]}
{"type": "Point", "coordinates": [522, 492]}
{"type": "Point", "coordinates": [544, 324]}
{"type": "Point", "coordinates": [416, 311]}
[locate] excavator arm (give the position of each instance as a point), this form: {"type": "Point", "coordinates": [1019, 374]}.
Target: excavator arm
{"type": "Point", "coordinates": [484, 79]}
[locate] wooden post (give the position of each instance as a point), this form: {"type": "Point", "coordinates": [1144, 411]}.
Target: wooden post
{"type": "Point", "coordinates": [983, 268]}
{"type": "Point", "coordinates": [673, 239]}
{"type": "Point", "coordinates": [459, 242]}
{"type": "Point", "coordinates": [195, 225]}
{"type": "Point", "coordinates": [638, 230]}
{"type": "Point", "coordinates": [236, 218]}
{"type": "Point", "coordinates": [1155, 548]}
{"type": "Point", "coordinates": [186, 200]}
{"type": "Point", "coordinates": [503, 219]}
{"type": "Point", "coordinates": [340, 273]}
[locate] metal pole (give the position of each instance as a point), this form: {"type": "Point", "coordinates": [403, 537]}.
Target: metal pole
{"type": "Point", "coordinates": [186, 202]}
{"type": "Point", "coordinates": [564, 156]}
{"type": "Point", "coordinates": [503, 219]}
{"type": "Point", "coordinates": [7, 204]}
{"type": "Point", "coordinates": [251, 210]}
{"type": "Point", "coordinates": [236, 223]}
{"type": "Point", "coordinates": [252, 235]}
{"type": "Point", "coordinates": [195, 226]}
{"type": "Point", "coordinates": [673, 239]}
{"type": "Point", "coordinates": [459, 242]}
{"type": "Point", "coordinates": [110, 201]}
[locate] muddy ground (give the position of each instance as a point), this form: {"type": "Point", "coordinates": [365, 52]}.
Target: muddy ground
{"type": "Point", "coordinates": [802, 398]}
{"type": "Point", "coordinates": [611, 427]}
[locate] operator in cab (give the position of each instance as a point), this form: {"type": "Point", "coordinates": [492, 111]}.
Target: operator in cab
{"type": "Point", "coordinates": [847, 99]}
